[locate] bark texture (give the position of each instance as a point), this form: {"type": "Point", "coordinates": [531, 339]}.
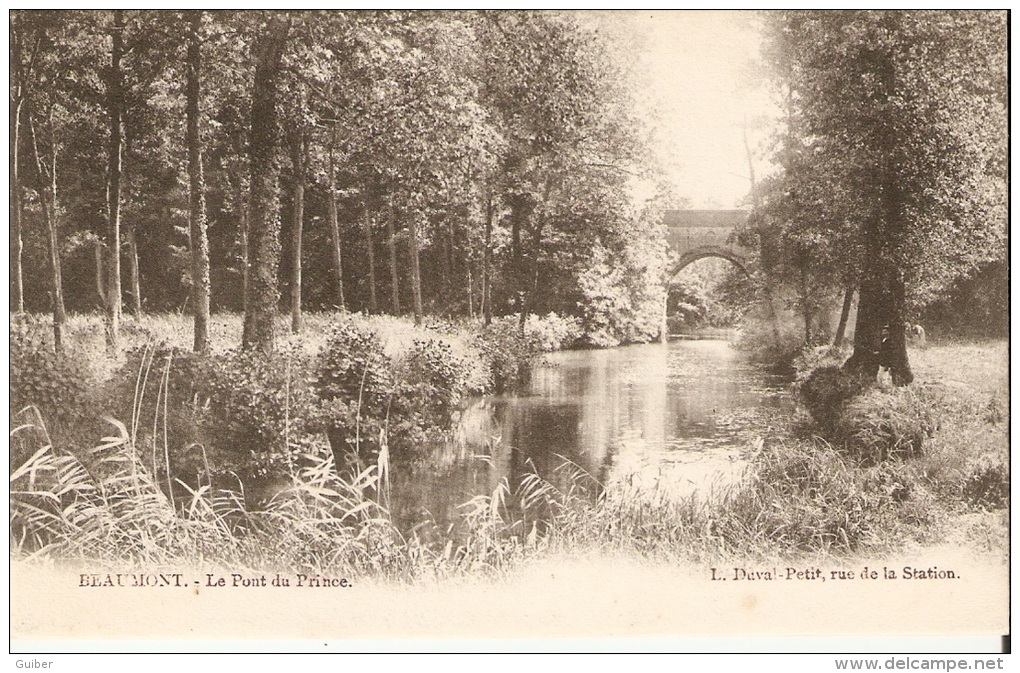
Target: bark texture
{"type": "Point", "coordinates": [200, 288]}
{"type": "Point", "coordinates": [264, 218]}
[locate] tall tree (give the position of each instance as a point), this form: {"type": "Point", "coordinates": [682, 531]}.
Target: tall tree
{"type": "Point", "coordinates": [262, 297]}
{"type": "Point", "coordinates": [299, 163]}
{"type": "Point", "coordinates": [334, 224]}
{"type": "Point", "coordinates": [25, 43]}
{"type": "Point", "coordinates": [200, 283]}
{"type": "Point", "coordinates": [47, 189]}
{"type": "Point", "coordinates": [114, 111]}
{"type": "Point", "coordinates": [894, 157]}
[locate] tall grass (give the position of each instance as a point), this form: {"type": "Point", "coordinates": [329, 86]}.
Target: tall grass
{"type": "Point", "coordinates": [119, 502]}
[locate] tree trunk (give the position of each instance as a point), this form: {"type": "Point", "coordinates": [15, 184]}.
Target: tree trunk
{"type": "Point", "coordinates": [880, 336]}
{"type": "Point", "coordinates": [264, 220]}
{"type": "Point", "coordinates": [59, 316]}
{"type": "Point", "coordinates": [51, 212]}
{"type": "Point", "coordinates": [334, 226]}
{"type": "Point", "coordinates": [880, 333]}
{"type": "Point", "coordinates": [487, 264]}
{"type": "Point", "coordinates": [136, 286]}
{"type": "Point", "coordinates": [373, 304]}
{"type": "Point", "coordinates": [391, 241]}
{"type": "Point", "coordinates": [242, 224]}
{"type": "Point", "coordinates": [446, 266]}
{"type": "Point", "coordinates": [470, 290]}
{"type": "Point", "coordinates": [298, 150]}
{"type": "Point", "coordinates": [17, 206]}
{"type": "Point", "coordinates": [844, 316]}
{"type": "Point", "coordinates": [868, 332]}
{"type": "Point", "coordinates": [100, 277]}
{"type": "Point", "coordinates": [517, 254]}
{"type": "Point", "coordinates": [200, 276]}
{"type": "Point", "coordinates": [530, 294]}
{"type": "Point", "coordinates": [415, 269]}
{"type": "Point", "coordinates": [805, 298]}
{"type": "Point", "coordinates": [114, 105]}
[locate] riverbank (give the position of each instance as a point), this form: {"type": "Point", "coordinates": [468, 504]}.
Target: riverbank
{"type": "Point", "coordinates": [802, 495]}
{"type": "Point", "coordinates": [158, 455]}
{"type": "Point", "coordinates": [799, 496]}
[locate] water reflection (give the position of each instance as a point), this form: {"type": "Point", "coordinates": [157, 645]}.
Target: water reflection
{"type": "Point", "coordinates": [679, 414]}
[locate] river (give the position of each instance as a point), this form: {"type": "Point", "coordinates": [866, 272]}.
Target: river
{"type": "Point", "coordinates": [679, 416]}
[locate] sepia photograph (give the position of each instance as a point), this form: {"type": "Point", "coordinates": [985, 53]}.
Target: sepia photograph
{"type": "Point", "coordinates": [510, 330]}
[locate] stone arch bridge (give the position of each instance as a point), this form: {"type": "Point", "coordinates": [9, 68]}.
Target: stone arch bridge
{"type": "Point", "coordinates": [696, 234]}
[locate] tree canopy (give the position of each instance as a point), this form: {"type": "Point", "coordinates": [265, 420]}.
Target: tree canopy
{"type": "Point", "coordinates": [893, 160]}
{"type": "Point", "coordinates": [483, 157]}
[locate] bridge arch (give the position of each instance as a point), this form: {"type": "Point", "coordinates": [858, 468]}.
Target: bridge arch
{"type": "Point", "coordinates": [694, 255]}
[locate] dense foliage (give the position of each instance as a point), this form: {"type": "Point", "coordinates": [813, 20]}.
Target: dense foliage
{"type": "Point", "coordinates": [456, 163]}
{"type": "Point", "coordinates": [893, 164]}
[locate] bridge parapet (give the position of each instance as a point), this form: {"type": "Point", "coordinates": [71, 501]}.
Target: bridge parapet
{"type": "Point", "coordinates": [696, 234]}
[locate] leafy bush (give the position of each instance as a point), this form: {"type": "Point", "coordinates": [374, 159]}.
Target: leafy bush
{"type": "Point", "coordinates": [811, 358]}
{"type": "Point", "coordinates": [553, 332]}
{"type": "Point", "coordinates": [261, 412]}
{"type": "Point", "coordinates": [354, 367]}
{"type": "Point", "coordinates": [58, 384]}
{"type": "Point", "coordinates": [214, 419]}
{"type": "Point", "coordinates": [375, 401]}
{"type": "Point", "coordinates": [355, 382]}
{"type": "Point", "coordinates": [432, 382]}
{"type": "Point", "coordinates": [508, 353]}
{"type": "Point", "coordinates": [775, 349]}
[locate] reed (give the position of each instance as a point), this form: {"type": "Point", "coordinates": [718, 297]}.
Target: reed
{"type": "Point", "coordinates": [121, 502]}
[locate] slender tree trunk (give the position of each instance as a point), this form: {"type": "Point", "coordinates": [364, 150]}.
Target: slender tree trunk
{"type": "Point", "coordinates": [805, 299]}
{"type": "Point", "coordinates": [242, 224]}
{"type": "Point", "coordinates": [664, 322]}
{"type": "Point", "coordinates": [334, 226]}
{"type": "Point", "coordinates": [136, 285]}
{"type": "Point", "coordinates": [114, 103]}
{"type": "Point", "coordinates": [470, 290]}
{"type": "Point", "coordinates": [298, 150]}
{"type": "Point", "coordinates": [487, 264]}
{"type": "Point", "coordinates": [100, 276]}
{"type": "Point", "coordinates": [264, 240]}
{"type": "Point", "coordinates": [391, 241]}
{"type": "Point", "coordinates": [531, 293]}
{"type": "Point", "coordinates": [51, 210]}
{"type": "Point", "coordinates": [446, 267]}
{"type": "Point", "coordinates": [17, 205]}
{"type": "Point", "coordinates": [200, 276]}
{"type": "Point", "coordinates": [373, 304]}
{"type": "Point", "coordinates": [59, 316]}
{"type": "Point", "coordinates": [415, 269]}
{"type": "Point", "coordinates": [844, 316]}
{"type": "Point", "coordinates": [517, 255]}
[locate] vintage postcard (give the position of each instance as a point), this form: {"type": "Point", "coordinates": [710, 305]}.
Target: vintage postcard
{"type": "Point", "coordinates": [504, 330]}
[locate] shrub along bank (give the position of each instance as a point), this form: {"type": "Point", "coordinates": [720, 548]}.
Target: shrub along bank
{"type": "Point", "coordinates": [220, 458]}
{"type": "Point", "coordinates": [350, 387]}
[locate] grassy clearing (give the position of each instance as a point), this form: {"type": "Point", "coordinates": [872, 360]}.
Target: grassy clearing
{"type": "Point", "coordinates": [115, 501]}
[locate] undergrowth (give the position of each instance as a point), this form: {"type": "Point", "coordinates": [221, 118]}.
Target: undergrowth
{"type": "Point", "coordinates": [892, 467]}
